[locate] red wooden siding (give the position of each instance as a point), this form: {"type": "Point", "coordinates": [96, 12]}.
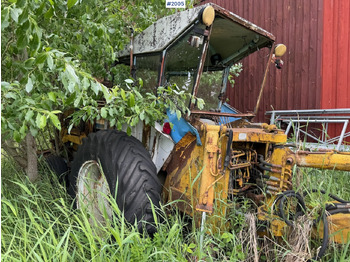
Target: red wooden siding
{"type": "Point", "coordinates": [336, 55]}
{"type": "Point", "coordinates": [336, 58]}
{"type": "Point", "coordinates": [298, 24]}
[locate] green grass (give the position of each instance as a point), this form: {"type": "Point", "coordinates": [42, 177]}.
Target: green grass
{"type": "Point", "coordinates": [40, 224]}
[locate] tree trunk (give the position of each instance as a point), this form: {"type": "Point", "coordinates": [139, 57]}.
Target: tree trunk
{"type": "Point", "coordinates": [17, 152]}
{"type": "Point", "coordinates": [32, 159]}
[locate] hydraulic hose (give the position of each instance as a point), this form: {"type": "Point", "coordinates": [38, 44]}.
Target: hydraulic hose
{"type": "Point", "coordinates": [325, 240]}
{"type": "Point", "coordinates": [330, 195]}
{"type": "Point", "coordinates": [332, 209]}
{"type": "Point", "coordinates": [282, 198]}
{"type": "Point", "coordinates": [228, 150]}
{"type": "Point", "coordinates": [301, 203]}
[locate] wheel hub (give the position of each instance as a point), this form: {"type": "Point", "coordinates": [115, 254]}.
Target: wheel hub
{"type": "Point", "coordinates": [93, 192]}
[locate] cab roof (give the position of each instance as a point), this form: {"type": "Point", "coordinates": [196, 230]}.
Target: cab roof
{"type": "Point", "coordinates": [231, 34]}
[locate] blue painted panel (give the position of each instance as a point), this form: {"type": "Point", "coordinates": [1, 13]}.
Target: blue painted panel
{"type": "Point", "coordinates": [181, 127]}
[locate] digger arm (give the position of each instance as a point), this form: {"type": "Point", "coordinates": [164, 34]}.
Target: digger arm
{"type": "Point", "coordinates": [281, 163]}
{"type": "Point", "coordinates": [323, 160]}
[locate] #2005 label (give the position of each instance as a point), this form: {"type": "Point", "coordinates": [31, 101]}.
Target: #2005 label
{"type": "Point", "coordinates": [175, 3]}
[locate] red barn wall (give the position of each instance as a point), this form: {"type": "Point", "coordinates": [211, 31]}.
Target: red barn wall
{"type": "Point", "coordinates": [336, 59]}
{"type": "Point", "coordinates": [336, 55]}
{"type": "Point", "coordinates": [299, 25]}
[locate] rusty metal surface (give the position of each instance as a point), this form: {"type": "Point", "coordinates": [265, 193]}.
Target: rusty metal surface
{"type": "Point", "coordinates": [339, 228]}
{"type": "Point", "coordinates": [209, 113]}
{"type": "Point", "coordinates": [263, 82]}
{"type": "Point", "coordinates": [258, 135]}
{"type": "Point", "coordinates": [324, 160]}
{"type": "Point", "coordinates": [200, 66]}
{"type": "Point", "coordinates": [162, 33]}
{"type": "Point", "coordinates": [237, 19]}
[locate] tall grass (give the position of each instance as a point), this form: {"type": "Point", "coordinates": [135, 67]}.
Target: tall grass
{"type": "Point", "coordinates": [39, 223]}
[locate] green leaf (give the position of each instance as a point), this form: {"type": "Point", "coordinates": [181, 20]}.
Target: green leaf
{"type": "Point", "coordinates": [86, 83]}
{"type": "Point", "coordinates": [55, 121]}
{"type": "Point", "coordinates": [15, 13]}
{"type": "Point", "coordinates": [96, 87]}
{"type": "Point", "coordinates": [17, 136]}
{"type": "Point", "coordinates": [71, 3]}
{"type": "Point", "coordinates": [71, 87]}
{"type": "Point", "coordinates": [128, 131]}
{"type": "Point", "coordinates": [40, 121]}
{"type": "Point", "coordinates": [50, 62]}
{"type": "Point", "coordinates": [178, 114]}
{"type": "Point", "coordinates": [70, 99]}
{"type": "Point", "coordinates": [22, 40]}
{"type": "Point", "coordinates": [23, 130]}
{"type": "Point", "coordinates": [24, 16]}
{"type": "Point", "coordinates": [33, 131]}
{"type": "Point", "coordinates": [77, 100]}
{"type": "Point", "coordinates": [103, 112]}
{"type": "Point", "coordinates": [142, 115]}
{"type": "Point", "coordinates": [41, 58]}
{"type": "Point", "coordinates": [106, 94]}
{"type": "Point", "coordinates": [122, 93]}
{"type": "Point", "coordinates": [49, 13]}
{"type": "Point", "coordinates": [52, 96]}
{"type": "Point", "coordinates": [29, 85]}
{"type": "Point", "coordinates": [131, 101]}
{"type": "Point", "coordinates": [29, 115]}
{"type": "Point", "coordinates": [112, 122]}
{"type": "Point", "coordinates": [72, 76]}
{"type": "Point", "coordinates": [29, 62]}
{"type": "Point", "coordinates": [4, 18]}
{"type": "Point", "coordinates": [34, 45]}
{"type": "Point", "coordinates": [11, 95]}
{"type": "Point", "coordinates": [129, 81]}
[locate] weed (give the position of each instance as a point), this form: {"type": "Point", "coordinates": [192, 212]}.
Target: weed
{"type": "Point", "coordinates": [40, 224]}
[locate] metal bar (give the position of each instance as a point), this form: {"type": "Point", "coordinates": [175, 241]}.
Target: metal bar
{"type": "Point", "coordinates": [323, 132]}
{"type": "Point", "coordinates": [224, 84]}
{"type": "Point", "coordinates": [131, 51]}
{"type": "Point", "coordinates": [210, 113]}
{"type": "Point", "coordinates": [161, 77]}
{"type": "Point", "coordinates": [288, 127]}
{"type": "Point", "coordinates": [202, 228]}
{"type": "Point", "coordinates": [264, 81]}
{"type": "Point", "coordinates": [315, 121]}
{"type": "Point", "coordinates": [201, 65]}
{"type": "Point", "coordinates": [312, 117]}
{"type": "Point", "coordinates": [342, 134]}
{"type": "Point", "coordinates": [313, 137]}
{"type": "Point", "coordinates": [311, 111]}
{"type": "Point", "coordinates": [337, 138]}
{"type": "Point", "coordinates": [272, 119]}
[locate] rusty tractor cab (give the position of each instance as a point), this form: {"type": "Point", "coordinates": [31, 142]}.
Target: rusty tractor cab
{"type": "Point", "coordinates": [210, 157]}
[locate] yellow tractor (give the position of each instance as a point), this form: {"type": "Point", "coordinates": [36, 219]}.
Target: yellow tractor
{"type": "Point", "coordinates": [209, 157]}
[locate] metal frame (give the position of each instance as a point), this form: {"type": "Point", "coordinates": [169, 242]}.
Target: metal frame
{"type": "Point", "coordinates": [325, 116]}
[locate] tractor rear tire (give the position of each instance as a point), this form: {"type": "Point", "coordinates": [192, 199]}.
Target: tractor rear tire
{"type": "Point", "coordinates": [59, 166]}
{"type": "Point", "coordinates": [127, 169]}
